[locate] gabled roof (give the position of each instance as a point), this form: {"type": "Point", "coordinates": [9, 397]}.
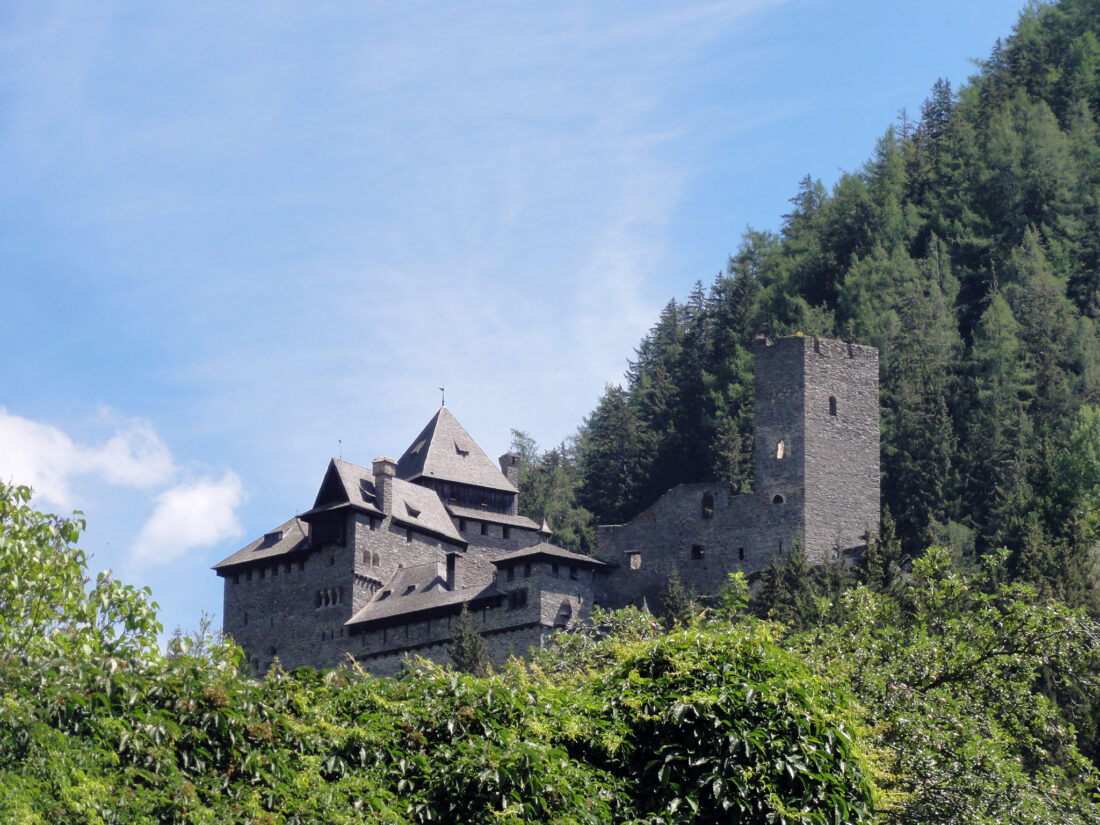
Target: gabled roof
{"type": "Point", "coordinates": [419, 507]}
{"type": "Point", "coordinates": [283, 540]}
{"type": "Point", "coordinates": [548, 551]}
{"type": "Point", "coordinates": [445, 451]}
{"type": "Point", "coordinates": [495, 518]}
{"type": "Point", "coordinates": [416, 590]}
{"type": "Point", "coordinates": [346, 483]}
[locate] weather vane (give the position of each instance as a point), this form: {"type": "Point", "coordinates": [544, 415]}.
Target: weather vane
{"type": "Point", "coordinates": [443, 400]}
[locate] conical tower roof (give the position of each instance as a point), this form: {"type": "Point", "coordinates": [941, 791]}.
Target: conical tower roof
{"type": "Point", "coordinates": [445, 451]}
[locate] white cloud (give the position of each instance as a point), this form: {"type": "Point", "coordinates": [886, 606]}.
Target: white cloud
{"type": "Point", "coordinates": [47, 459]}
{"type": "Point", "coordinates": [197, 514]}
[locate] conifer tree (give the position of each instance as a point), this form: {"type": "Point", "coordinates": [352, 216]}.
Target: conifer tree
{"type": "Point", "coordinates": [678, 604]}
{"type": "Point", "coordinates": [469, 653]}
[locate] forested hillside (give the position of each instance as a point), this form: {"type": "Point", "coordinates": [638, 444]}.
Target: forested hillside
{"type": "Point", "coordinates": [967, 249]}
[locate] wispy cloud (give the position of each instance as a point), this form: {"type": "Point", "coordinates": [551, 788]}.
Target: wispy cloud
{"type": "Point", "coordinates": [196, 514]}
{"type": "Point", "coordinates": [47, 459]}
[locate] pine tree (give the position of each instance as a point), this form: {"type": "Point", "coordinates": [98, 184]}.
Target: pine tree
{"type": "Point", "coordinates": [469, 653]}
{"type": "Point", "coordinates": [678, 604]}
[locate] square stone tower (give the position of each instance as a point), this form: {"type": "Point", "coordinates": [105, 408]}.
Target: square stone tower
{"type": "Point", "coordinates": [816, 450]}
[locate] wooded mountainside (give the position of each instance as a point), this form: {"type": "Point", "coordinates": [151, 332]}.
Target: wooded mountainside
{"type": "Point", "coordinates": [967, 250]}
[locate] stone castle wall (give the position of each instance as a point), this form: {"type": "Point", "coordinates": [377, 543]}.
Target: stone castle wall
{"type": "Point", "coordinates": [842, 445]}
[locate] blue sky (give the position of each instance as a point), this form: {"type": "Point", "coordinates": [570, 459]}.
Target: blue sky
{"type": "Point", "coordinates": [238, 239]}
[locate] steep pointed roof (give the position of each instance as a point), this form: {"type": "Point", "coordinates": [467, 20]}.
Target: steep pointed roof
{"type": "Point", "coordinates": [445, 451]}
{"type": "Point", "coordinates": [346, 483]}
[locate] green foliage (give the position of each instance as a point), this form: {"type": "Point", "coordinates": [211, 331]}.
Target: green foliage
{"type": "Point", "coordinates": [948, 668]}
{"type": "Point", "coordinates": [950, 698]}
{"type": "Point", "coordinates": [469, 654]}
{"type": "Point", "coordinates": [548, 492]}
{"type": "Point", "coordinates": [678, 604]}
{"type": "Point", "coordinates": [47, 607]}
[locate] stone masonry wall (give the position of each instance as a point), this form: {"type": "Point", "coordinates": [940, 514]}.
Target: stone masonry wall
{"type": "Point", "coordinates": [508, 629]}
{"type": "Point", "coordinates": [743, 532]}
{"type": "Point", "coordinates": [842, 445]}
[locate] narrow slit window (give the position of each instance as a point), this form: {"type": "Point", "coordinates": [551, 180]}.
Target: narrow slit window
{"type": "Point", "coordinates": [832, 405]}
{"type": "Point", "coordinates": [780, 449]}
{"type": "Point", "coordinates": [708, 505]}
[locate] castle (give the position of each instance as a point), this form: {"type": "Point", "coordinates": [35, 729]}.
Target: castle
{"type": "Point", "coordinates": [382, 564]}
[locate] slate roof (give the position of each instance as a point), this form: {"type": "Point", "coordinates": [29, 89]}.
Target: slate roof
{"type": "Point", "coordinates": [287, 538]}
{"type": "Point", "coordinates": [548, 551]}
{"type": "Point", "coordinates": [416, 590]}
{"type": "Point", "coordinates": [445, 451]}
{"type": "Point", "coordinates": [346, 483]}
{"type": "Point", "coordinates": [419, 507]}
{"type": "Point", "coordinates": [487, 515]}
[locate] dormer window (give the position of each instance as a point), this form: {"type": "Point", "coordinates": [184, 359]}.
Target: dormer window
{"type": "Point", "coordinates": [412, 511]}
{"type": "Point", "coordinates": [460, 451]}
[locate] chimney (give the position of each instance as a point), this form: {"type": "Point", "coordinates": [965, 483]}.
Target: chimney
{"type": "Point", "coordinates": [509, 465]}
{"type": "Point", "coordinates": [452, 570]}
{"type": "Point", "coordinates": [384, 471]}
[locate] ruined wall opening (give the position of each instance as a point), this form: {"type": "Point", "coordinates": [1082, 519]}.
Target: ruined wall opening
{"type": "Point", "coordinates": [708, 505]}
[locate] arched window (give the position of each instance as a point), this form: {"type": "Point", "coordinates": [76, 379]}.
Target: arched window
{"type": "Point", "coordinates": [777, 499]}
{"type": "Point", "coordinates": [832, 405]}
{"type": "Point", "coordinates": [708, 505]}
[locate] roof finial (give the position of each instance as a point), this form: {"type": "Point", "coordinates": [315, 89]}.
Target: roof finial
{"type": "Point", "coordinates": [443, 400]}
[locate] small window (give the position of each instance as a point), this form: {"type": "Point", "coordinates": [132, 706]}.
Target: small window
{"type": "Point", "coordinates": [527, 570]}
{"type": "Point", "coordinates": [697, 551]}
{"type": "Point", "coordinates": [511, 573]}
{"type": "Point", "coordinates": [554, 570]}
{"type": "Point", "coordinates": [507, 531]}
{"type": "Point", "coordinates": [635, 560]}
{"type": "Point", "coordinates": [708, 505]}
{"type": "Point", "coordinates": [517, 599]}
{"type": "Point", "coordinates": [777, 499]}
{"type": "Point", "coordinates": [740, 553]}
{"type": "Point", "coordinates": [832, 405]}
{"type": "Point", "coordinates": [462, 525]}
{"type": "Point", "coordinates": [780, 449]}
{"type": "Point", "coordinates": [375, 560]}
{"type": "Point", "coordinates": [484, 528]}
{"type": "Point", "coordinates": [236, 578]}
{"type": "Point", "coordinates": [572, 572]}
